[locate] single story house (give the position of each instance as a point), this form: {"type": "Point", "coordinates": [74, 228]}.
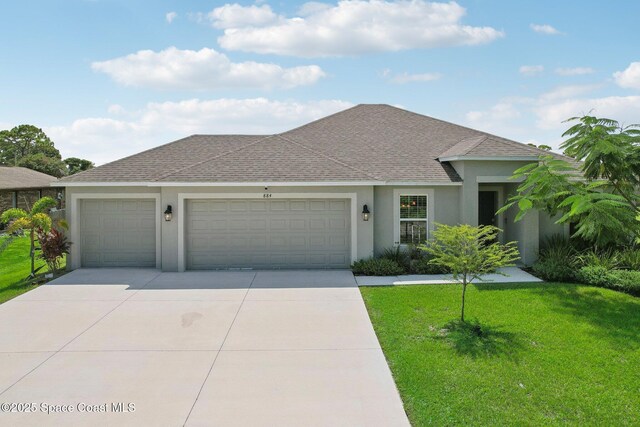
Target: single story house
{"type": "Point", "coordinates": [323, 195]}
{"type": "Point", "coordinates": [21, 187]}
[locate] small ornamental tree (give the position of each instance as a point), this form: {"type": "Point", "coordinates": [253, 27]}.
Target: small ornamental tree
{"type": "Point", "coordinates": [53, 247]}
{"type": "Point", "coordinates": [34, 221]}
{"type": "Point", "coordinates": [470, 252]}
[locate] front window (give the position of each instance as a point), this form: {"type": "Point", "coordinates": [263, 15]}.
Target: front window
{"type": "Point", "coordinates": [413, 219]}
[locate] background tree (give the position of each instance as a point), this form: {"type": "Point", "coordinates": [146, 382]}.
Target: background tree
{"type": "Point", "coordinates": [36, 220]}
{"type": "Point", "coordinates": [598, 191]}
{"type": "Point", "coordinates": [41, 163]}
{"type": "Point", "coordinates": [470, 252]}
{"type": "Point", "coordinates": [75, 165]}
{"type": "Point", "coordinates": [23, 141]}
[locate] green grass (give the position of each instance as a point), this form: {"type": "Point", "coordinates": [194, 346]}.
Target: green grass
{"type": "Point", "coordinates": [15, 266]}
{"type": "Point", "coordinates": [552, 354]}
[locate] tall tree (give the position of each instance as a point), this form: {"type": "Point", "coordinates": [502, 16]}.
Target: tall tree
{"type": "Point", "coordinates": [75, 165]}
{"type": "Point", "coordinates": [23, 141]}
{"type": "Point", "coordinates": [41, 163]}
{"type": "Point", "coordinates": [598, 192]}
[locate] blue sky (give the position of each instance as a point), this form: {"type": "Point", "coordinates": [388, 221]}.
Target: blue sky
{"type": "Point", "coordinates": [108, 78]}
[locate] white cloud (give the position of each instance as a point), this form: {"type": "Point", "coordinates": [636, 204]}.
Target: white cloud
{"type": "Point", "coordinates": [402, 78]}
{"type": "Point", "coordinates": [531, 70]}
{"type": "Point", "coordinates": [349, 28]}
{"type": "Point", "coordinates": [235, 16]}
{"type": "Point", "coordinates": [204, 69]}
{"type": "Point", "coordinates": [542, 117]}
{"type": "Point", "coordinates": [577, 71]}
{"type": "Point", "coordinates": [569, 91]}
{"type": "Point", "coordinates": [545, 29]}
{"type": "Point", "coordinates": [498, 119]}
{"type": "Point", "coordinates": [625, 109]}
{"type": "Point", "coordinates": [170, 16]}
{"type": "Point", "coordinates": [103, 139]}
{"type": "Point", "coordinates": [630, 77]}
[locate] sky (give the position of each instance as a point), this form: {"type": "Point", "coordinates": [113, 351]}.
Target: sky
{"type": "Point", "coordinates": [109, 78]}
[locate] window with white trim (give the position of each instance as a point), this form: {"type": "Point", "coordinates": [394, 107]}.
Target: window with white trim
{"type": "Point", "coordinates": [413, 219]}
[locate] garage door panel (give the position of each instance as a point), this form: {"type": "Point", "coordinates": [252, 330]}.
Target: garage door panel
{"type": "Point", "coordinates": [337, 205]}
{"type": "Point", "coordinates": [268, 233]}
{"type": "Point", "coordinates": [118, 233]}
{"type": "Point", "coordinates": [317, 224]}
{"type": "Point", "coordinates": [278, 205]}
{"type": "Point", "coordinates": [298, 224]}
{"type": "Point", "coordinates": [278, 224]}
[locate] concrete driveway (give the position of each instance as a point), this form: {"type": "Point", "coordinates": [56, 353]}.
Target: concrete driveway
{"type": "Point", "coordinates": [140, 347]}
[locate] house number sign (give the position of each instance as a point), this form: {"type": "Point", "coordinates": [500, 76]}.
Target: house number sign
{"type": "Point", "coordinates": [266, 196]}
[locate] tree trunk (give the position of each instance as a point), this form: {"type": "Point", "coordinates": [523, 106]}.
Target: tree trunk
{"type": "Point", "coordinates": [33, 254]}
{"type": "Point", "coordinates": [464, 289]}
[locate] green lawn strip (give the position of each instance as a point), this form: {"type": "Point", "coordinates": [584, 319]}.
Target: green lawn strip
{"type": "Point", "coordinates": [15, 266]}
{"type": "Point", "coordinates": [558, 354]}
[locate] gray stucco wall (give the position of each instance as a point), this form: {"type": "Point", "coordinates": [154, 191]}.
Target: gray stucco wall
{"type": "Point", "coordinates": [548, 227]}
{"type": "Point", "coordinates": [169, 196]}
{"type": "Point", "coordinates": [451, 205]}
{"type": "Point", "coordinates": [445, 203]}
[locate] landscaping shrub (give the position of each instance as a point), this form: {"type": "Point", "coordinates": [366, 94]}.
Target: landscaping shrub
{"type": "Point", "coordinates": [422, 266]}
{"type": "Point", "coordinates": [629, 259]}
{"type": "Point", "coordinates": [594, 275]}
{"type": "Point", "coordinates": [377, 267]}
{"type": "Point", "coordinates": [54, 246]}
{"type": "Point", "coordinates": [626, 281]}
{"type": "Point", "coordinates": [554, 269]}
{"type": "Point", "coordinates": [591, 258]}
{"type": "Point", "coordinates": [620, 280]}
{"type": "Point", "coordinates": [557, 260]}
{"type": "Point", "coordinates": [398, 255]}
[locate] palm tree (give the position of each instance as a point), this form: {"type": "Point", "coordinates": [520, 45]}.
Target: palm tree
{"type": "Point", "coordinates": [36, 219]}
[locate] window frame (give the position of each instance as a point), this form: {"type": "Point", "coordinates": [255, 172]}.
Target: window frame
{"type": "Point", "coordinates": [399, 192]}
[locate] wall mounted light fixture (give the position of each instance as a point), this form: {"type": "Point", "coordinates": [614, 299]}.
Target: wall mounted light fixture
{"type": "Point", "coordinates": [365, 213]}
{"type": "Point", "coordinates": [168, 213]}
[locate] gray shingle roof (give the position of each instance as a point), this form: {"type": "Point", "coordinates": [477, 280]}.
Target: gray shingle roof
{"type": "Point", "coordinates": [18, 178]}
{"type": "Point", "coordinates": [363, 143]}
{"type": "Point", "coordinates": [489, 146]}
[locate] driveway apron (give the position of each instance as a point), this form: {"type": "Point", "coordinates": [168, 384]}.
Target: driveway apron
{"type": "Point", "coordinates": [217, 348]}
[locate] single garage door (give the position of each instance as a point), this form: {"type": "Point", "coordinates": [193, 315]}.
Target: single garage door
{"type": "Point", "coordinates": [118, 232]}
{"type": "Point", "coordinates": [271, 233]}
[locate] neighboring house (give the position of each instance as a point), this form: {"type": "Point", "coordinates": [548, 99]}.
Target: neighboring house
{"type": "Point", "coordinates": [21, 187]}
{"type": "Point", "coordinates": [298, 199]}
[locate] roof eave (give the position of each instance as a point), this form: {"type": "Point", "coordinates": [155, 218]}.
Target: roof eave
{"type": "Point", "coordinates": [259, 183]}
{"type": "Point", "coordinates": [489, 158]}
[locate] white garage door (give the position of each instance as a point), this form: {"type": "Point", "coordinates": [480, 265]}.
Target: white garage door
{"type": "Point", "coordinates": [272, 233]}
{"type": "Point", "coordinates": [118, 232]}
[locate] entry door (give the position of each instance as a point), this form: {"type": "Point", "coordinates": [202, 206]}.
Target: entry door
{"type": "Point", "coordinates": [487, 207]}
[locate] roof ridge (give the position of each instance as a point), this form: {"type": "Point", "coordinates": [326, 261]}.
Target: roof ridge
{"type": "Point", "coordinates": [480, 140]}
{"type": "Point", "coordinates": [505, 140]}
{"type": "Point", "coordinates": [328, 157]}
{"type": "Point", "coordinates": [321, 119]}
{"type": "Point", "coordinates": [208, 159]}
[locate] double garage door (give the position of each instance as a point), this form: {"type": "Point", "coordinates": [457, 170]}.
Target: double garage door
{"type": "Point", "coordinates": [234, 233]}
{"type": "Point", "coordinates": [267, 233]}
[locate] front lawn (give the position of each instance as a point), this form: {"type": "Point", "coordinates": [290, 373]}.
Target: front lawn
{"type": "Point", "coordinates": [553, 354]}
{"type": "Point", "coordinates": [15, 265]}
